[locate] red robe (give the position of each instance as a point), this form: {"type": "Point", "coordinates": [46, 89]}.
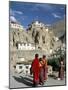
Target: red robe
{"type": "Point", "coordinates": [35, 70]}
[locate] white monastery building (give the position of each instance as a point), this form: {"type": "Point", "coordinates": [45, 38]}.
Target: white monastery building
{"type": "Point", "coordinates": [24, 67]}
{"type": "Point", "coordinates": [25, 46]}
{"type": "Point", "coordinates": [15, 25]}
{"type": "Point", "coordinates": [38, 24]}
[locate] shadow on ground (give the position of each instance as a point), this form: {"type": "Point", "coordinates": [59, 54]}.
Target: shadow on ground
{"type": "Point", "coordinates": [23, 80]}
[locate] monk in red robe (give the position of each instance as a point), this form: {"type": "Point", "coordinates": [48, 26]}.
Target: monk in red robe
{"type": "Point", "coordinates": [35, 70]}
{"type": "Point", "coordinates": [61, 69]}
{"type": "Point", "coordinates": [41, 78]}
{"type": "Point", "coordinates": [45, 67]}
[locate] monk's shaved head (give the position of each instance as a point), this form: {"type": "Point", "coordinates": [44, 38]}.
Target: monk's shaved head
{"type": "Point", "coordinates": [36, 55]}
{"type": "Point", "coordinates": [44, 56]}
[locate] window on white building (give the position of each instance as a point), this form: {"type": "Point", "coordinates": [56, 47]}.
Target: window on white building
{"type": "Point", "coordinates": [27, 67]}
{"type": "Point", "coordinates": [20, 67]}
{"type": "Point", "coordinates": [24, 44]}
{"type": "Point", "coordinates": [26, 72]}
{"type": "Point", "coordinates": [14, 67]}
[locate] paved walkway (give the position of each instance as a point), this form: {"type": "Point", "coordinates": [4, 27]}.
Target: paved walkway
{"type": "Point", "coordinates": [20, 81]}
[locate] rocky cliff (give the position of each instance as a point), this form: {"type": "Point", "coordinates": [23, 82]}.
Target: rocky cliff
{"type": "Point", "coordinates": [43, 37]}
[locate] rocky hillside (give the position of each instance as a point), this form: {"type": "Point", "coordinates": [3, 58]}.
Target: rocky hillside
{"type": "Point", "coordinates": [59, 28]}
{"type": "Point", "coordinates": [43, 38]}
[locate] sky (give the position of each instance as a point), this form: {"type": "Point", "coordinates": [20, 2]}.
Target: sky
{"type": "Point", "coordinates": [25, 13]}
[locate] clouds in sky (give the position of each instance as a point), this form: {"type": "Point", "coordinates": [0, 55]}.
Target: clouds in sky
{"type": "Point", "coordinates": [47, 6]}
{"type": "Point", "coordinates": [13, 12]}
{"type": "Point", "coordinates": [12, 16]}
{"type": "Point", "coordinates": [25, 13]}
{"type": "Point", "coordinates": [13, 19]}
{"type": "Point", "coordinates": [56, 15]}
{"type": "Point", "coordinates": [18, 12]}
{"type": "Point", "coordinates": [50, 9]}
{"type": "Point", "coordinates": [44, 7]}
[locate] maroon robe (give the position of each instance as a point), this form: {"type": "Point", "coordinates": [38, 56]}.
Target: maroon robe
{"type": "Point", "coordinates": [45, 68]}
{"type": "Point", "coordinates": [61, 72]}
{"type": "Point", "coordinates": [41, 74]}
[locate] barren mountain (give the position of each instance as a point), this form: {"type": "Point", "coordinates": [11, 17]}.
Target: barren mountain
{"type": "Point", "coordinates": [59, 28]}
{"type": "Point", "coordinates": [43, 38]}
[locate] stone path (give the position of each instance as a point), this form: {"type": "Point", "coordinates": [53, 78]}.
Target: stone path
{"type": "Point", "coordinates": [22, 81]}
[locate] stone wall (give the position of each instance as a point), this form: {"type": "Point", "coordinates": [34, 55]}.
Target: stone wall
{"type": "Point", "coordinates": [27, 55]}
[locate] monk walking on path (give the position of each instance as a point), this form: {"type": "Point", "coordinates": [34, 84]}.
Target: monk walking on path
{"type": "Point", "coordinates": [41, 81]}
{"type": "Point", "coordinates": [45, 67]}
{"type": "Point", "coordinates": [61, 69]}
{"type": "Point", "coordinates": [35, 70]}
